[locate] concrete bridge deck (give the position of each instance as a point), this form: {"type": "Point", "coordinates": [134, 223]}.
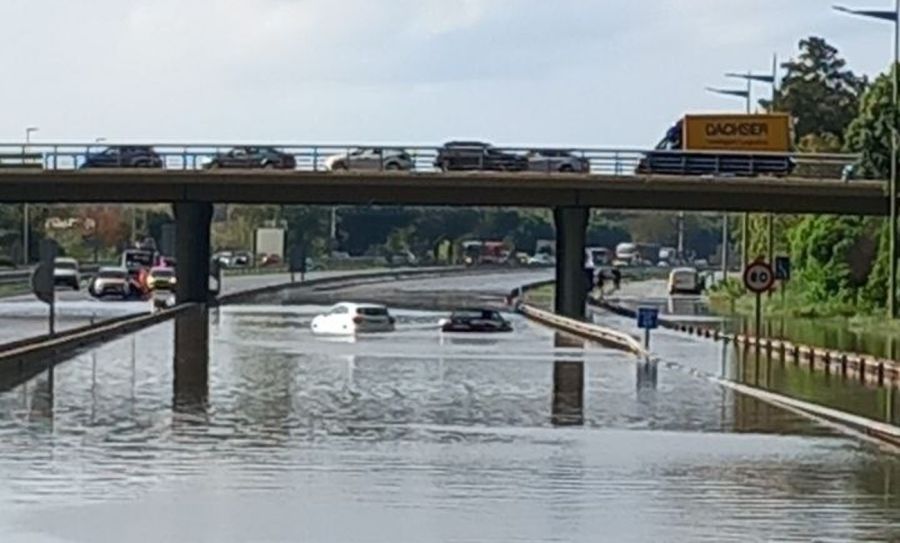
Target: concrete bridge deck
{"type": "Point", "coordinates": [531, 189]}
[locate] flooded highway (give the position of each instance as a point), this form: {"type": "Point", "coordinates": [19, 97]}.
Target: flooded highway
{"type": "Point", "coordinates": [417, 436]}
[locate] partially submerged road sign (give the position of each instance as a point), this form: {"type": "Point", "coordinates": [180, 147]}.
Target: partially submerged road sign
{"type": "Point", "coordinates": [648, 318]}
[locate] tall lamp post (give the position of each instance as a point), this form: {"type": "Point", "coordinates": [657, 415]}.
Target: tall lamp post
{"type": "Point", "coordinates": [894, 17]}
{"type": "Point", "coordinates": [769, 79]}
{"type": "Point", "coordinates": [746, 95]}
{"type": "Point", "coordinates": [26, 257]}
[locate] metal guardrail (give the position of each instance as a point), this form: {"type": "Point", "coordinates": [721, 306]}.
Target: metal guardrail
{"type": "Point", "coordinates": [316, 158]}
{"type": "Point", "coordinates": [13, 277]}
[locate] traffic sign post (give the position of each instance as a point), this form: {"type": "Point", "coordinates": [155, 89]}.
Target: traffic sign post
{"type": "Point", "coordinates": [647, 319]}
{"type": "Point", "coordinates": [42, 280]}
{"type": "Point", "coordinates": [759, 278]}
{"type": "Point", "coordinates": [783, 274]}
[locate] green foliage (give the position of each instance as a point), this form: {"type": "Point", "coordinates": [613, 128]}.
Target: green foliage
{"type": "Point", "coordinates": [870, 133]}
{"type": "Point", "coordinates": [819, 91]}
{"type": "Point", "coordinates": [833, 257]}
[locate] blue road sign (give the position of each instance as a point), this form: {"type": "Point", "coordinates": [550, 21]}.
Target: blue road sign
{"type": "Point", "coordinates": [648, 318]}
{"type": "Point", "coordinates": [783, 268]}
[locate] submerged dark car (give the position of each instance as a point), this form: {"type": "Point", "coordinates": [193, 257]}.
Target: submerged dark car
{"type": "Point", "coordinates": [123, 156]}
{"type": "Point", "coordinates": [476, 320]}
{"type": "Point", "coordinates": [254, 158]}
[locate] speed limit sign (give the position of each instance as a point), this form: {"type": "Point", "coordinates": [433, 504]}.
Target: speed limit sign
{"type": "Point", "coordinates": [759, 277]}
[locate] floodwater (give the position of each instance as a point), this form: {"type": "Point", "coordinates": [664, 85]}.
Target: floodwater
{"type": "Point", "coordinates": [830, 333]}
{"type": "Point", "coordinates": [414, 436]}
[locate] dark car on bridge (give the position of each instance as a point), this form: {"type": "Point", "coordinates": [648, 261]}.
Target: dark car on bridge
{"type": "Point", "coordinates": [123, 156]}
{"type": "Point", "coordinates": [253, 158]}
{"type": "Point", "coordinates": [475, 156]}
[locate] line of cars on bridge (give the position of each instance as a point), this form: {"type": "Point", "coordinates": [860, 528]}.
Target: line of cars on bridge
{"type": "Point", "coordinates": [453, 156]}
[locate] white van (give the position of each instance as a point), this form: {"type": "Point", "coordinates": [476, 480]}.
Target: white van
{"type": "Point", "coordinates": [685, 281]}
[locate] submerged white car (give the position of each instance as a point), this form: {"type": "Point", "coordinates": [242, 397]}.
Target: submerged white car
{"type": "Point", "coordinates": [351, 319]}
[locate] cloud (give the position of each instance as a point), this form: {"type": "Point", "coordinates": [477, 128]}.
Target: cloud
{"type": "Point", "coordinates": [611, 73]}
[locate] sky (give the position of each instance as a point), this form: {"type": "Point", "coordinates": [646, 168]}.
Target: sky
{"type": "Point", "coordinates": [588, 73]}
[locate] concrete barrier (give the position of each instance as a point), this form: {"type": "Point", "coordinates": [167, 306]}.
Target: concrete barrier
{"type": "Point", "coordinates": [877, 372]}
{"type": "Point", "coordinates": [605, 336]}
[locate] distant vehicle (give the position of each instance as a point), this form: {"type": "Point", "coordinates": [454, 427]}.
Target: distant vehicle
{"type": "Point", "coordinates": [161, 279]}
{"type": "Point", "coordinates": [241, 259]}
{"type": "Point", "coordinates": [109, 282]}
{"type": "Point", "coordinates": [599, 256]}
{"type": "Point", "coordinates": [721, 144]}
{"type": "Point", "coordinates": [65, 273]}
{"type": "Point", "coordinates": [557, 160]}
{"type": "Point", "coordinates": [627, 254]}
{"type": "Point", "coordinates": [475, 320]}
{"type": "Point", "coordinates": [165, 261]}
{"type": "Point", "coordinates": [371, 158]}
{"type": "Point", "coordinates": [478, 253]}
{"type": "Point", "coordinates": [350, 319]}
{"type": "Point", "coordinates": [123, 156]}
{"type": "Point", "coordinates": [223, 258]}
{"type": "Point", "coordinates": [685, 281]}
{"type": "Point", "coordinates": [474, 155]}
{"type": "Point", "coordinates": [542, 259]}
{"type": "Point", "coordinates": [253, 158]}
{"type": "Point", "coordinates": [136, 260]}
{"type": "Point", "coordinates": [270, 261]}
{"type": "Point", "coordinates": [668, 255]}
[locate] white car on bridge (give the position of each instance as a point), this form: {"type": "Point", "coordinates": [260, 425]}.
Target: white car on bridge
{"type": "Point", "coordinates": [350, 319]}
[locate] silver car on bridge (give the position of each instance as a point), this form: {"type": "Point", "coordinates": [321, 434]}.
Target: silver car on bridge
{"type": "Point", "coordinates": [371, 158]}
{"type": "Point", "coordinates": [557, 160]}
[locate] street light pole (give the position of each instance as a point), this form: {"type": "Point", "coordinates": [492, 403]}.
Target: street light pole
{"type": "Point", "coordinates": [893, 17]}
{"type": "Point", "coordinates": [26, 240]}
{"type": "Point", "coordinates": [747, 94]}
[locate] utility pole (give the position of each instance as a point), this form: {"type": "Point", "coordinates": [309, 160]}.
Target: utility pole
{"type": "Point", "coordinates": [26, 222]}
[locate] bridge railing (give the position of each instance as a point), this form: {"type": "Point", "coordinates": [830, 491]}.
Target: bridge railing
{"type": "Point", "coordinates": [320, 158]}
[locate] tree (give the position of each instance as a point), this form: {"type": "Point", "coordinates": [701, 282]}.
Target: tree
{"type": "Point", "coordinates": [819, 91]}
{"type": "Point", "coordinates": [870, 133]}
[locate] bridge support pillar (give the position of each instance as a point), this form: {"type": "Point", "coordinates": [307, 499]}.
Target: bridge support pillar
{"type": "Point", "coordinates": [192, 250]}
{"type": "Point", "coordinates": [572, 282]}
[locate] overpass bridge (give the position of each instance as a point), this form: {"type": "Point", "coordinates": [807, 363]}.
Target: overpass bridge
{"type": "Point", "coordinates": [610, 179]}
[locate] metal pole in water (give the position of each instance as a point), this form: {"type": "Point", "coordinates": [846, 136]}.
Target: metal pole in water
{"type": "Point", "coordinates": [758, 331]}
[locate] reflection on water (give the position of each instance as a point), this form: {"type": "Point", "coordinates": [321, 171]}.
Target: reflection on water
{"type": "Point", "coordinates": [412, 437]}
{"type": "Point", "coordinates": [831, 333]}
{"type": "Point", "coordinates": [191, 360]}
{"type": "Point", "coordinates": [755, 368]}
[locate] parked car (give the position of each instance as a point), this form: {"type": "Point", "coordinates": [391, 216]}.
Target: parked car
{"type": "Point", "coordinates": [557, 160]}
{"type": "Point", "coordinates": [110, 281]}
{"type": "Point", "coordinates": [475, 320]}
{"type": "Point", "coordinates": [123, 156]}
{"type": "Point", "coordinates": [65, 273]}
{"type": "Point", "coordinates": [371, 158]}
{"type": "Point", "coordinates": [474, 155]}
{"type": "Point", "coordinates": [350, 319]}
{"type": "Point", "coordinates": [253, 158]}
{"type": "Point", "coordinates": [161, 278]}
